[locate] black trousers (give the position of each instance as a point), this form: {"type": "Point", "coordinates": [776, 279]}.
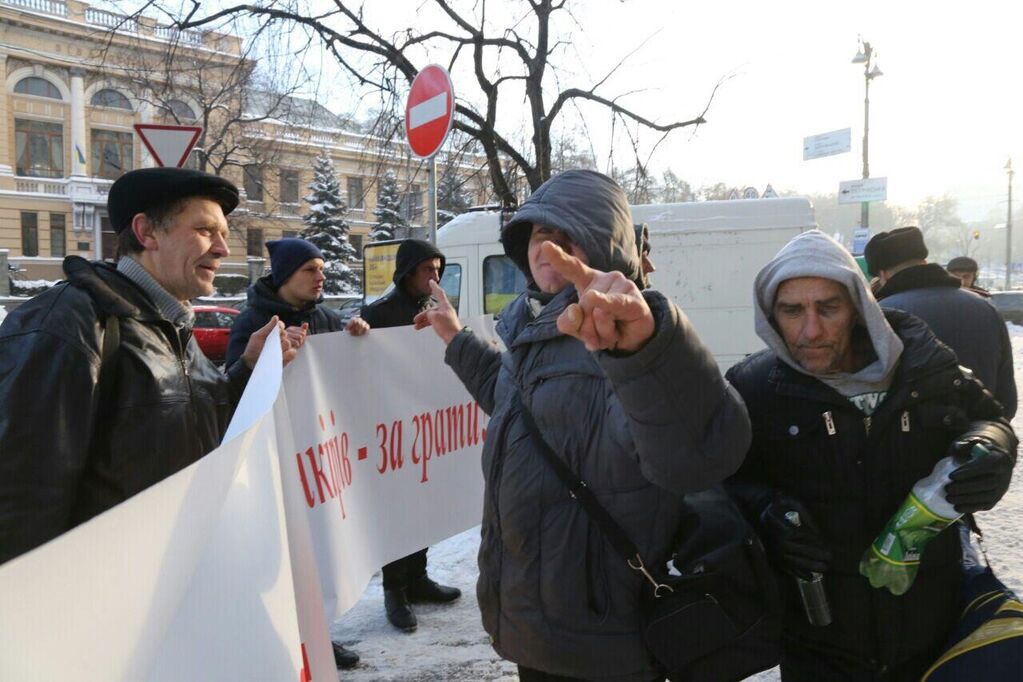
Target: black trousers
{"type": "Point", "coordinates": [530, 675]}
{"type": "Point", "coordinates": [400, 574]}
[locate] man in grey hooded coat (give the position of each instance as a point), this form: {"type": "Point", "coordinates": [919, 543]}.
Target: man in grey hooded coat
{"type": "Point", "coordinates": [624, 391]}
{"type": "Point", "coordinates": [850, 406]}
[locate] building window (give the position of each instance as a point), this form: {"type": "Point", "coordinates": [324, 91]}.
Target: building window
{"type": "Point", "coordinates": [289, 234]}
{"type": "Point", "coordinates": [356, 197]}
{"type": "Point", "coordinates": [58, 236]}
{"type": "Point", "coordinates": [29, 234]}
{"type": "Point", "coordinates": [253, 180]}
{"type": "Point", "coordinates": [289, 187]}
{"type": "Point", "coordinates": [254, 241]}
{"type": "Point", "coordinates": [39, 148]}
{"type": "Point", "coordinates": [40, 87]}
{"type": "Point", "coordinates": [179, 110]}
{"type": "Point", "coordinates": [111, 153]}
{"type": "Point", "coordinates": [110, 98]}
{"type": "Point", "coordinates": [412, 204]}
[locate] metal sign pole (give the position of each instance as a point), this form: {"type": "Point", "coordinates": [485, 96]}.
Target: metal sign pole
{"type": "Point", "coordinates": [431, 208]}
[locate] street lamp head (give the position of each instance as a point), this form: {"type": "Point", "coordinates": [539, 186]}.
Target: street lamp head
{"type": "Point", "coordinates": [875, 72]}
{"type": "Point", "coordinates": [860, 57]}
{"type": "Point", "coordinates": [1008, 166]}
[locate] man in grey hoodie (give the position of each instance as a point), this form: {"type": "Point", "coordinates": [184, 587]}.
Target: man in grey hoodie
{"type": "Point", "coordinates": [850, 406]}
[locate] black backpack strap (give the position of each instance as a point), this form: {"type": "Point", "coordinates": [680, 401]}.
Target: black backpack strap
{"type": "Point", "coordinates": [580, 492]}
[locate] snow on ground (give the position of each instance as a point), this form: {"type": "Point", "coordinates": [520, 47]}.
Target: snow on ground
{"type": "Point", "coordinates": [450, 643]}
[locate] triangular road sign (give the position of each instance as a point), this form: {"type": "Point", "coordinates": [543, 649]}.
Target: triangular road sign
{"type": "Point", "coordinates": [169, 145]}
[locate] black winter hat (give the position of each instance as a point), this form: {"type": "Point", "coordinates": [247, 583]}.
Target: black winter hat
{"type": "Point", "coordinates": [962, 264]}
{"type": "Point", "coordinates": [288, 255]}
{"type": "Point", "coordinates": [411, 253]}
{"type": "Point", "coordinates": [140, 190]}
{"type": "Point", "coordinates": [887, 249]}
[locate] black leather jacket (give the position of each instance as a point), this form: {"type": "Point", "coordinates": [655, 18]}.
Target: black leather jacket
{"type": "Point", "coordinates": [852, 473]}
{"type": "Point", "coordinates": [71, 448]}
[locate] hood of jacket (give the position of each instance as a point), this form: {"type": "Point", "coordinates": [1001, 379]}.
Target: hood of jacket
{"type": "Point", "coordinates": [411, 253]}
{"type": "Point", "coordinates": [588, 206]}
{"type": "Point", "coordinates": [814, 254]}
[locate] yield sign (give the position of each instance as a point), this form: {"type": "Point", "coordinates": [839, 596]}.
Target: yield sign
{"type": "Point", "coordinates": [429, 111]}
{"type": "Point", "coordinates": [169, 145]}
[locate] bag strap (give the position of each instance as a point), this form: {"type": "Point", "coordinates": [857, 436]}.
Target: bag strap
{"type": "Point", "coordinates": [581, 493]}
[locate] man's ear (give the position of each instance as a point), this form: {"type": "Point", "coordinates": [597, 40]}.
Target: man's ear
{"type": "Point", "coordinates": [145, 232]}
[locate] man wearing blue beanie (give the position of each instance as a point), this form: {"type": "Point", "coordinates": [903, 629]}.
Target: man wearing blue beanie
{"type": "Point", "coordinates": [293, 291]}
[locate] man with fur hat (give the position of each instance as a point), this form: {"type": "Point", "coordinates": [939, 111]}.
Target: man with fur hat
{"type": "Point", "coordinates": [104, 388]}
{"type": "Point", "coordinates": [850, 406]}
{"type": "Point", "coordinates": [417, 265]}
{"type": "Point", "coordinates": [293, 291]}
{"type": "Point", "coordinates": [957, 316]}
{"type": "Point", "coordinates": [621, 387]}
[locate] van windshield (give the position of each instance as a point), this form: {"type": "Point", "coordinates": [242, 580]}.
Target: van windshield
{"type": "Point", "coordinates": [502, 282]}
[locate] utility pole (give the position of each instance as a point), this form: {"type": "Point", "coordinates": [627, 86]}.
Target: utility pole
{"type": "Point", "coordinates": [1008, 229]}
{"type": "Point", "coordinates": [870, 72]}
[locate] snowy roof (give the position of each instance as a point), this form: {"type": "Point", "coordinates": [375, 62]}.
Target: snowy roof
{"type": "Point", "coordinates": [293, 110]}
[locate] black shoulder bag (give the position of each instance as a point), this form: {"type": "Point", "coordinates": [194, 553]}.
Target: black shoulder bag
{"type": "Point", "coordinates": [719, 619]}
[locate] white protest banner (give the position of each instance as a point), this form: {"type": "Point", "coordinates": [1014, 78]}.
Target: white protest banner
{"type": "Point", "coordinates": [232, 568]}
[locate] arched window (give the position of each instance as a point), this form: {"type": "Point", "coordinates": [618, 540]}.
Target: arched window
{"type": "Point", "coordinates": [181, 110]}
{"type": "Point", "coordinates": [110, 98]}
{"type": "Point", "coordinates": [40, 87]}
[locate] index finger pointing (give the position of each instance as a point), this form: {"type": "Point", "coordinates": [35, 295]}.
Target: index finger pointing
{"type": "Point", "coordinates": [567, 265]}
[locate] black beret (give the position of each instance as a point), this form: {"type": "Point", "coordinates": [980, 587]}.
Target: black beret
{"type": "Point", "coordinates": [887, 249]}
{"type": "Point", "coordinates": [962, 264]}
{"type": "Point", "coordinates": [139, 190]}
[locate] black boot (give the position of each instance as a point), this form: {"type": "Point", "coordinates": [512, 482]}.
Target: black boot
{"type": "Point", "coordinates": [344, 658]}
{"type": "Point", "coordinates": [425, 590]}
{"type": "Point", "coordinates": [399, 611]}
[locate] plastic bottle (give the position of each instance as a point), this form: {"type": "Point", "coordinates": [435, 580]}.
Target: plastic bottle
{"type": "Point", "coordinates": [893, 559]}
{"type": "Point", "coordinates": [815, 600]}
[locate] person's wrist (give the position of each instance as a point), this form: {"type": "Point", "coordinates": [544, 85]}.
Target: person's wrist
{"type": "Point", "coordinates": [454, 331]}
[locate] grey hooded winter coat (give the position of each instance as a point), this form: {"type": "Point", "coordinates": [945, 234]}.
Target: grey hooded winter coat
{"type": "Point", "coordinates": [640, 429]}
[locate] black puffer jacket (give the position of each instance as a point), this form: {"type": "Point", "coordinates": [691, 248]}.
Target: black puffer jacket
{"type": "Point", "coordinates": [397, 307]}
{"type": "Point", "coordinates": [70, 449]}
{"type": "Point", "coordinates": [853, 480]}
{"type": "Point", "coordinates": [264, 303]}
{"type": "Point", "coordinates": [963, 320]}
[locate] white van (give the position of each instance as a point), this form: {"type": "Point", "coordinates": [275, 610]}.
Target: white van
{"type": "Point", "coordinates": [707, 254]}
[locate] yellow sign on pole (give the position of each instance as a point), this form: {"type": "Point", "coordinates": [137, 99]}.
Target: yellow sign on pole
{"type": "Point", "coordinates": [378, 265]}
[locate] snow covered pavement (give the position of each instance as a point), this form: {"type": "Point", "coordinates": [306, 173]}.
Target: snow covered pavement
{"type": "Point", "coordinates": [450, 643]}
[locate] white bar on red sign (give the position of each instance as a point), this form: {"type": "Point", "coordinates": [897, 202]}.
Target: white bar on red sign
{"type": "Point", "coordinates": [428, 110]}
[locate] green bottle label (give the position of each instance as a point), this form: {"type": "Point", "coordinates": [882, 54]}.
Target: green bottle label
{"type": "Point", "coordinates": [907, 533]}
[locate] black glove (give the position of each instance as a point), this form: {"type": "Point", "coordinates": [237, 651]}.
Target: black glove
{"type": "Point", "coordinates": [979, 483]}
{"type": "Point", "coordinates": [792, 541]}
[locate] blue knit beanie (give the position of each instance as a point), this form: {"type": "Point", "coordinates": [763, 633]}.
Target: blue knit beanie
{"type": "Point", "coordinates": [288, 255]}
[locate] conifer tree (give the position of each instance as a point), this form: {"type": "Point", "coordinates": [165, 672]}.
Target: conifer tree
{"type": "Point", "coordinates": [388, 210]}
{"type": "Point", "coordinates": [327, 228]}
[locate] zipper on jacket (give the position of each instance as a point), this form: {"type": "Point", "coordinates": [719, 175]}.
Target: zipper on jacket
{"type": "Point", "coordinates": [829, 423]}
{"type": "Point", "coordinates": [866, 424]}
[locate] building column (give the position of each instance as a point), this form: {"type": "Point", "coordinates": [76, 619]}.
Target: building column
{"type": "Point", "coordinates": [6, 155]}
{"type": "Point", "coordinates": [79, 147]}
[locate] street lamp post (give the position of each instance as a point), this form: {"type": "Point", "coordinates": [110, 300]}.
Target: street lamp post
{"type": "Point", "coordinates": [1008, 229]}
{"type": "Point", "coordinates": [870, 72]}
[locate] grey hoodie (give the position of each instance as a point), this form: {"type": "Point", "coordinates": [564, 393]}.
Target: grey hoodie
{"type": "Point", "coordinates": [814, 254]}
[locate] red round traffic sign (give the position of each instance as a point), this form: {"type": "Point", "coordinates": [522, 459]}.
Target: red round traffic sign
{"type": "Point", "coordinates": [429, 111]}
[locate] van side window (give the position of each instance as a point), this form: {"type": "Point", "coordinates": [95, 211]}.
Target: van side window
{"type": "Point", "coordinates": [502, 282]}
{"type": "Point", "coordinates": [451, 283]}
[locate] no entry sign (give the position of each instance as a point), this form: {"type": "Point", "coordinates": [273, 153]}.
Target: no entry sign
{"type": "Point", "coordinates": [429, 111]}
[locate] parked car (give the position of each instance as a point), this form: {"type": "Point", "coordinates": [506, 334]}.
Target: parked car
{"type": "Point", "coordinates": [1009, 304]}
{"type": "Point", "coordinates": [212, 329]}
{"type": "Point", "coordinates": [349, 309]}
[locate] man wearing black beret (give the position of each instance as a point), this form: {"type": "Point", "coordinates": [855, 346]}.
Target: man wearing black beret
{"type": "Point", "coordinates": [958, 317]}
{"type": "Point", "coordinates": [104, 389]}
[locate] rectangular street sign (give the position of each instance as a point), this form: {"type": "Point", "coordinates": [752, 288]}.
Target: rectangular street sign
{"type": "Point", "coordinates": [865, 189]}
{"type": "Point", "coordinates": [827, 144]}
